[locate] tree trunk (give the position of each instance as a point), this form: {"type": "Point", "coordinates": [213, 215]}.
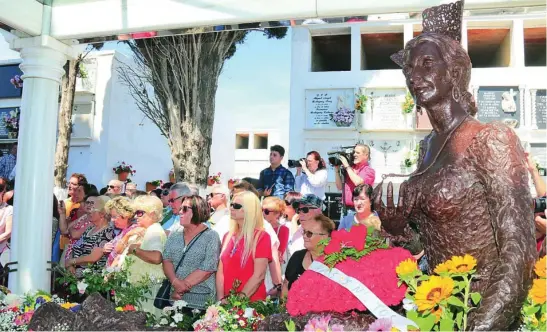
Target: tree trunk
{"type": "Point", "coordinates": [65, 122]}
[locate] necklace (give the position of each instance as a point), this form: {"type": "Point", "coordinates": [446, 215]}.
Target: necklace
{"type": "Point", "coordinates": [234, 249]}
{"type": "Point", "coordinates": [416, 173]}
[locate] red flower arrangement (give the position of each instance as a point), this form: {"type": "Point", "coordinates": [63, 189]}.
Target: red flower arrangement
{"type": "Point", "coordinates": [375, 269]}
{"type": "Point", "coordinates": [213, 179]}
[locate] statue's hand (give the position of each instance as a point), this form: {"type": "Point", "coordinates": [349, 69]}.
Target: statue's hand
{"type": "Point", "coordinates": [392, 217]}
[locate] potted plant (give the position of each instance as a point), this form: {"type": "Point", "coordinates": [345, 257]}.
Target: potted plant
{"type": "Point", "coordinates": [11, 122]}
{"type": "Point", "coordinates": [361, 107]}
{"type": "Point", "coordinates": [408, 109]}
{"type": "Point", "coordinates": [124, 171]}
{"type": "Point", "coordinates": [213, 179]}
{"type": "Point", "coordinates": [343, 117]}
{"type": "Point", "coordinates": [151, 185]}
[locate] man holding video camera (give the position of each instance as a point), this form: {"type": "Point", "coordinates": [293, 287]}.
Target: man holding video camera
{"type": "Point", "coordinates": [356, 174]}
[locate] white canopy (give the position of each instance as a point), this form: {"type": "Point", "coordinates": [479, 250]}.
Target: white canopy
{"type": "Point", "coordinates": [71, 19]}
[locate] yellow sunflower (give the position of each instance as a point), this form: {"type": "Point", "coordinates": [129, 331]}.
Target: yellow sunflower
{"type": "Point", "coordinates": [68, 305]}
{"type": "Point", "coordinates": [462, 264]}
{"type": "Point", "coordinates": [538, 291]}
{"type": "Point", "coordinates": [539, 268]}
{"type": "Point", "coordinates": [431, 292]}
{"type": "Point", "coordinates": [443, 267]}
{"type": "Point", "coordinates": [407, 267]}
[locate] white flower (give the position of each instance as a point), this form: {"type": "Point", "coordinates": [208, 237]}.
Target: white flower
{"type": "Point", "coordinates": [177, 317]}
{"type": "Point", "coordinates": [409, 305]}
{"type": "Point", "coordinates": [164, 321]}
{"type": "Point", "coordinates": [173, 325]}
{"type": "Point", "coordinates": [248, 312]}
{"type": "Point", "coordinates": [236, 316]}
{"type": "Point", "coordinates": [12, 300]}
{"type": "Point", "coordinates": [195, 311]}
{"type": "Point", "coordinates": [180, 304]}
{"type": "Point", "coordinates": [112, 269]}
{"type": "Point", "coordinates": [81, 286]}
{"type": "Point", "coordinates": [241, 322]}
{"type": "Point", "coordinates": [167, 309]}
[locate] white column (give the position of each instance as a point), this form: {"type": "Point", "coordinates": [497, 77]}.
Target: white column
{"type": "Point", "coordinates": [357, 55]}
{"type": "Point", "coordinates": [517, 43]}
{"type": "Point", "coordinates": [464, 35]}
{"type": "Point", "coordinates": [31, 238]}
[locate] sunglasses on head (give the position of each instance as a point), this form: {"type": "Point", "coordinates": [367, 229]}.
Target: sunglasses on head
{"type": "Point", "coordinates": [305, 209]}
{"type": "Point", "coordinates": [139, 213]}
{"type": "Point", "coordinates": [112, 187]}
{"type": "Point", "coordinates": [184, 209]}
{"type": "Point", "coordinates": [211, 195]}
{"type": "Point", "coordinates": [267, 212]}
{"type": "Point", "coordinates": [165, 192]}
{"type": "Point", "coordinates": [309, 234]}
{"type": "Point", "coordinates": [236, 206]}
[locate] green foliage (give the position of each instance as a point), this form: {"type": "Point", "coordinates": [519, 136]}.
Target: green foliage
{"type": "Point", "coordinates": [291, 327]}
{"type": "Point", "coordinates": [408, 105]}
{"type": "Point", "coordinates": [113, 285]}
{"type": "Point", "coordinates": [372, 243]}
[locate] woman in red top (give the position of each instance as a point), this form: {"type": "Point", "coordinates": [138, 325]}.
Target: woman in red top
{"type": "Point", "coordinates": [246, 250]}
{"type": "Point", "coordinates": [273, 209]}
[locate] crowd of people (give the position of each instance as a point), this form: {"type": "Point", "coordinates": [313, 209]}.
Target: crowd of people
{"type": "Point", "coordinates": [259, 240]}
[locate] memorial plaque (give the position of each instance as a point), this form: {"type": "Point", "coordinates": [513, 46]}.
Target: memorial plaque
{"type": "Point", "coordinates": [4, 112]}
{"type": "Point", "coordinates": [322, 105]}
{"type": "Point", "coordinates": [385, 109]}
{"type": "Point", "coordinates": [499, 104]}
{"type": "Point", "coordinates": [540, 108]}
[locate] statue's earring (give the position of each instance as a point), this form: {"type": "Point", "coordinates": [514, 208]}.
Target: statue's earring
{"type": "Point", "coordinates": [419, 109]}
{"type": "Point", "coordinates": [456, 93]}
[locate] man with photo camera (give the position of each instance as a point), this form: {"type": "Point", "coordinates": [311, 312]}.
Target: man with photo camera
{"type": "Point", "coordinates": [356, 173]}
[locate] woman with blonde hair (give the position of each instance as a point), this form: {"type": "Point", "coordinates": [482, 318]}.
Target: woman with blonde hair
{"type": "Point", "coordinates": [147, 253]}
{"type": "Point", "coordinates": [246, 250]}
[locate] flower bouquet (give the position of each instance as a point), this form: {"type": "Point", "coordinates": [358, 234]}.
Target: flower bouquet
{"type": "Point", "coordinates": [231, 183]}
{"type": "Point", "coordinates": [343, 117]}
{"type": "Point", "coordinates": [16, 311]}
{"type": "Point", "coordinates": [213, 179]}
{"type": "Point", "coordinates": [359, 254]}
{"type": "Point", "coordinates": [235, 313]}
{"type": "Point", "coordinates": [439, 302]}
{"type": "Point", "coordinates": [408, 105]}
{"type": "Point", "coordinates": [533, 311]}
{"type": "Point", "coordinates": [174, 316]}
{"type": "Point", "coordinates": [361, 103]}
{"type": "Point", "coordinates": [123, 170]}
{"type": "Point", "coordinates": [17, 81]}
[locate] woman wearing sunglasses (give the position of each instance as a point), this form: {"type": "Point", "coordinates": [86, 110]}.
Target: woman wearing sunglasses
{"type": "Point", "coordinates": [89, 248]}
{"type": "Point", "coordinates": [273, 209]}
{"type": "Point", "coordinates": [318, 228]}
{"type": "Point", "coordinates": [191, 255]}
{"type": "Point", "coordinates": [246, 250]}
{"type": "Point", "coordinates": [147, 254]}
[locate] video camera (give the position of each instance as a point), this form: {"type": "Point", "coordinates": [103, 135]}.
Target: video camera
{"type": "Point", "coordinates": [345, 151]}
{"type": "Point", "coordinates": [292, 163]}
{"type": "Point", "coordinates": [539, 204]}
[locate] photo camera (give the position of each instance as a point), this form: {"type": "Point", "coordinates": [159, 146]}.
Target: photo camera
{"type": "Point", "coordinates": [346, 152]}
{"type": "Point", "coordinates": [293, 163]}
{"type": "Point", "coordinates": [539, 204]}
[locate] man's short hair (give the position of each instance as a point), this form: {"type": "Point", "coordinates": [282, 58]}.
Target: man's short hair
{"type": "Point", "coordinates": [279, 149]}
{"type": "Point", "coordinates": [184, 189]}
{"type": "Point", "coordinates": [364, 146]}
{"type": "Point", "coordinates": [221, 189]}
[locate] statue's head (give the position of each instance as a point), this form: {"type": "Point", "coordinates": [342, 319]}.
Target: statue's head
{"type": "Point", "coordinates": [435, 65]}
{"type": "Point", "coordinates": [436, 68]}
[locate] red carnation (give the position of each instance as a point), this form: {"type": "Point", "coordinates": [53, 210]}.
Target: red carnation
{"type": "Point", "coordinates": [376, 271]}
{"type": "Point", "coordinates": [240, 312]}
{"type": "Point", "coordinates": [129, 307]}
{"type": "Point", "coordinates": [342, 238]}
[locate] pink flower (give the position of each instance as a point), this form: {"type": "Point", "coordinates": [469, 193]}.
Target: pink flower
{"type": "Point", "coordinates": [382, 281]}
{"type": "Point", "coordinates": [317, 324]}
{"type": "Point", "coordinates": [354, 238]}
{"type": "Point", "coordinates": [381, 324]}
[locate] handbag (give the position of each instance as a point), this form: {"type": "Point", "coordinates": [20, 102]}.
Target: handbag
{"type": "Point", "coordinates": [163, 297]}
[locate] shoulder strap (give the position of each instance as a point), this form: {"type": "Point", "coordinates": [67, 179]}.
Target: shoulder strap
{"type": "Point", "coordinates": [188, 247]}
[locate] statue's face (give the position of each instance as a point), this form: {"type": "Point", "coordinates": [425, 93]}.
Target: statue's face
{"type": "Point", "coordinates": [427, 75]}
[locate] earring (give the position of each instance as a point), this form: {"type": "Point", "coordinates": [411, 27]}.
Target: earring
{"type": "Point", "coordinates": [456, 93]}
{"type": "Point", "coordinates": [419, 109]}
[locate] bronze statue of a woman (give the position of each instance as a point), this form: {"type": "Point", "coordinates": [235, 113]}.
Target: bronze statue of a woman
{"type": "Point", "coordinates": [469, 194]}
